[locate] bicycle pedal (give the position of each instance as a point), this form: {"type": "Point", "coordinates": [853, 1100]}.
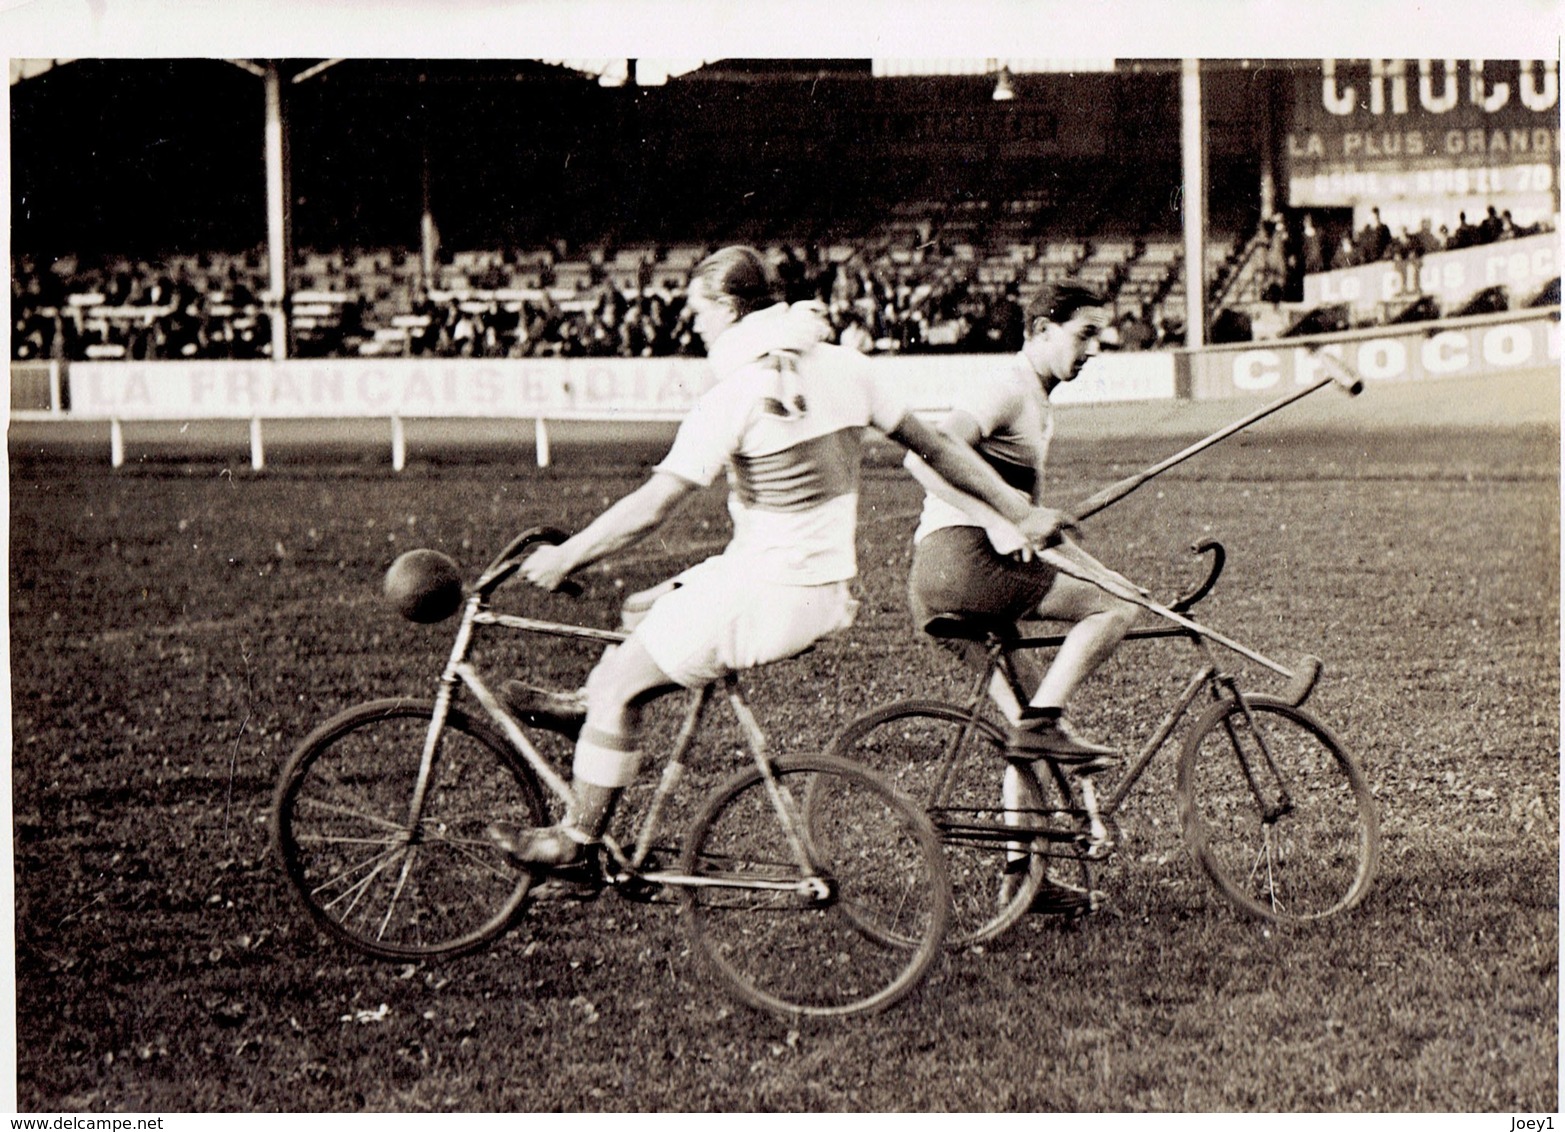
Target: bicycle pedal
{"type": "Point", "coordinates": [1063, 900]}
{"type": "Point", "coordinates": [584, 873]}
{"type": "Point", "coordinates": [635, 887]}
{"type": "Point", "coordinates": [560, 890]}
{"type": "Point", "coordinates": [1100, 850]}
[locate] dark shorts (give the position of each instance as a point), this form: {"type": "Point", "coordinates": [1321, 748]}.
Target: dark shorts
{"type": "Point", "coordinates": [956, 570]}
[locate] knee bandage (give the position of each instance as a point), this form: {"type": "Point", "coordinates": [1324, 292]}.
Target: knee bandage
{"type": "Point", "coordinates": [605, 759]}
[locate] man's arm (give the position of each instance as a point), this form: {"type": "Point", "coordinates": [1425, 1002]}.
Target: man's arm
{"type": "Point", "coordinates": [1004, 535]}
{"type": "Point", "coordinates": [959, 465]}
{"type": "Point", "coordinates": [623, 524]}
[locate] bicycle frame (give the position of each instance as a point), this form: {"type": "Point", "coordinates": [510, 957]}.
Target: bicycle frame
{"type": "Point", "coordinates": [459, 671]}
{"type": "Point", "coordinates": [1209, 676]}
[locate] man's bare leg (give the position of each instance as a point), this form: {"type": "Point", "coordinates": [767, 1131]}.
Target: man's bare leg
{"type": "Point", "coordinates": [606, 760]}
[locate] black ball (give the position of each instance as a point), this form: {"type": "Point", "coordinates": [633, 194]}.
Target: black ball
{"type": "Point", "coordinates": [424, 586]}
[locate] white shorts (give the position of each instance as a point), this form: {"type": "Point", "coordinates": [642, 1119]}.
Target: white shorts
{"type": "Point", "coordinates": [719, 620]}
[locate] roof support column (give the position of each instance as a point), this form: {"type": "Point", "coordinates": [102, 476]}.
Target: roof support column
{"type": "Point", "coordinates": [1193, 147]}
{"type": "Point", "coordinates": [279, 233]}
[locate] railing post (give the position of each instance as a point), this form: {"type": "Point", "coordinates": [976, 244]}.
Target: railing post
{"type": "Point", "coordinates": [257, 453]}
{"type": "Point", "coordinates": [116, 443]}
{"type": "Point", "coordinates": [541, 436]}
{"type": "Point", "coordinates": [399, 444]}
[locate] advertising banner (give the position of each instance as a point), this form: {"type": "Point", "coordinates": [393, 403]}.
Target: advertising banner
{"type": "Point", "coordinates": [581, 388]}
{"type": "Point", "coordinates": [408, 387]}
{"type": "Point", "coordinates": [1469, 348]}
{"type": "Point", "coordinates": [1379, 131]}
{"type": "Point", "coordinates": [1521, 266]}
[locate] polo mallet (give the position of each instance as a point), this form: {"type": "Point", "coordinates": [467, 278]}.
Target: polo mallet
{"type": "Point", "coordinates": [1340, 375]}
{"type": "Point", "coordinates": [1300, 683]}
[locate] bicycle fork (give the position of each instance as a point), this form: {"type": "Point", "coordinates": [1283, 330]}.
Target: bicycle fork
{"type": "Point", "coordinates": [1271, 811]}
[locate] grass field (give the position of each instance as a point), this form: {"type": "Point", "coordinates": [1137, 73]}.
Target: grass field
{"type": "Point", "coordinates": [178, 625]}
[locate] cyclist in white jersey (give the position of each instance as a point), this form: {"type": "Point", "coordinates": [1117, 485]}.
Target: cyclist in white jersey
{"type": "Point", "coordinates": [784, 423]}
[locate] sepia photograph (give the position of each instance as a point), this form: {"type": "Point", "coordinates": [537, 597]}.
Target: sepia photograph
{"type": "Point", "coordinates": [629, 558]}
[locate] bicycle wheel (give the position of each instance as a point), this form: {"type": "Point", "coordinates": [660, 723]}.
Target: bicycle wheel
{"type": "Point", "coordinates": [1315, 855]}
{"type": "Point", "coordinates": [776, 933]}
{"type": "Point", "coordinates": [973, 797]}
{"type": "Point", "coordinates": [391, 884]}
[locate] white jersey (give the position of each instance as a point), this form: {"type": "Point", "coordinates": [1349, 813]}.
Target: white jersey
{"type": "Point", "coordinates": [785, 422]}
{"type": "Point", "coordinates": [1015, 425]}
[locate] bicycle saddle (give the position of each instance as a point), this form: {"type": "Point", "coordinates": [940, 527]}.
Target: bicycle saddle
{"type": "Point", "coordinates": [969, 627]}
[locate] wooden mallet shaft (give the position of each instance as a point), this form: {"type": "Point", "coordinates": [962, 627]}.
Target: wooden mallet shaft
{"type": "Point", "coordinates": [1340, 375]}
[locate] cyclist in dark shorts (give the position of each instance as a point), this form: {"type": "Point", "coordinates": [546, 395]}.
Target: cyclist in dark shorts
{"type": "Point", "coordinates": [969, 560]}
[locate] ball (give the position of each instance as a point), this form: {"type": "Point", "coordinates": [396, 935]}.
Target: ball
{"type": "Point", "coordinates": [424, 586]}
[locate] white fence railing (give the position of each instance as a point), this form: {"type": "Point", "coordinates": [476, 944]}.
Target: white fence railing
{"type": "Point", "coordinates": [662, 389]}
{"type": "Point", "coordinates": [541, 390]}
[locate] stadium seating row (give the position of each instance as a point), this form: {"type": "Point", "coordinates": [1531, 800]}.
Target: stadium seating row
{"type": "Point", "coordinates": [899, 293]}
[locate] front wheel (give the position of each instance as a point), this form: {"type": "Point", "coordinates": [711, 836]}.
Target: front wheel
{"type": "Point", "coordinates": [1277, 813]}
{"type": "Point", "coordinates": [785, 935]}
{"type": "Point", "coordinates": [394, 879]}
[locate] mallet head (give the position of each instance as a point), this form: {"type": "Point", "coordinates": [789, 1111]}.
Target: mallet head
{"type": "Point", "coordinates": [1338, 371]}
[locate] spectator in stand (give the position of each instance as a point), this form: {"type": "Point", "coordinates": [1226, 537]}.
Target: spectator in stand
{"type": "Point", "coordinates": [1403, 247]}
{"type": "Point", "coordinates": [1135, 332]}
{"type": "Point", "coordinates": [1274, 260]}
{"type": "Point", "coordinates": [792, 274]}
{"type": "Point", "coordinates": [853, 334]}
{"type": "Point", "coordinates": [1374, 239]}
{"type": "Point", "coordinates": [1006, 324]}
{"type": "Point", "coordinates": [1489, 228]}
{"type": "Point", "coordinates": [1508, 229]}
{"type": "Point", "coordinates": [32, 334]}
{"type": "Point", "coordinates": [1346, 254]}
{"type": "Point", "coordinates": [1465, 236]}
{"type": "Point", "coordinates": [1312, 251]}
{"type": "Point", "coordinates": [1170, 333]}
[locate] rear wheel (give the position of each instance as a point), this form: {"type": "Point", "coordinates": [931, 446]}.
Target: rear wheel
{"type": "Point", "coordinates": [1278, 814]}
{"type": "Point", "coordinates": [375, 875]}
{"type": "Point", "coordinates": [788, 939]}
{"type": "Point", "coordinates": [974, 797]}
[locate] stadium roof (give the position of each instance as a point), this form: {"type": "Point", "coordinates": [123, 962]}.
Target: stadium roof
{"type": "Point", "coordinates": [27, 68]}
{"type": "Point", "coordinates": [655, 72]}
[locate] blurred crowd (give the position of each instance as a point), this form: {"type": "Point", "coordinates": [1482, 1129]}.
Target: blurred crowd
{"type": "Point", "coordinates": [1286, 254]}
{"type": "Point", "coordinates": [1375, 241]}
{"type": "Point", "coordinates": [141, 311]}
{"type": "Point", "coordinates": [132, 310]}
{"type": "Point", "coordinates": [877, 302]}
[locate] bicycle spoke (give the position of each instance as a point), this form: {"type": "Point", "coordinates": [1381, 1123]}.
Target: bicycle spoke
{"type": "Point", "coordinates": [363, 812]}
{"type": "Point", "coordinates": [360, 886]}
{"type": "Point", "coordinates": [342, 826]}
{"type": "Point", "coordinates": [1311, 858]}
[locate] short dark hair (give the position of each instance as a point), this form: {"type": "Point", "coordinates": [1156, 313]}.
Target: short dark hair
{"type": "Point", "coordinates": [742, 274]}
{"type": "Point", "coordinates": [1057, 302]}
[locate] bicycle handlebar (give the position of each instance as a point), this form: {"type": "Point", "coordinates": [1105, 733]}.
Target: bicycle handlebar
{"type": "Point", "coordinates": [509, 560]}
{"type": "Point", "coordinates": [1219, 558]}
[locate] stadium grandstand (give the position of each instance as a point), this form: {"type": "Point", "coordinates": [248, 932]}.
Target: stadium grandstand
{"type": "Point", "coordinates": [522, 209]}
